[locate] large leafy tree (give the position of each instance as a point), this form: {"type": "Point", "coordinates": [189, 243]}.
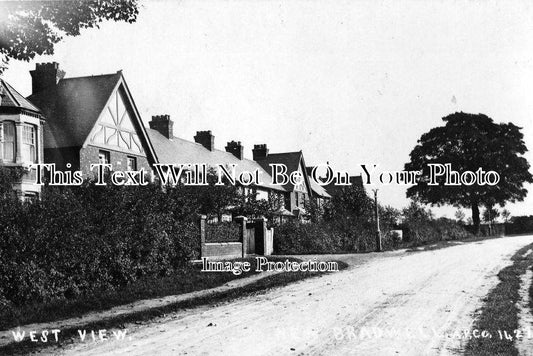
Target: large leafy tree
{"type": "Point", "coordinates": [469, 142]}
{"type": "Point", "coordinates": [29, 28]}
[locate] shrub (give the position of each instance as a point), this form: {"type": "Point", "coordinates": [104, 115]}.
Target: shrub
{"type": "Point", "coordinates": [520, 225]}
{"type": "Point", "coordinates": [323, 237]}
{"type": "Point", "coordinates": [80, 239]}
{"type": "Point", "coordinates": [420, 227]}
{"type": "Point", "coordinates": [357, 233]}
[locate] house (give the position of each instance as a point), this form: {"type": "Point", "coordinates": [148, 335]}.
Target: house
{"type": "Point", "coordinates": [333, 189]}
{"type": "Point", "coordinates": [91, 119]}
{"type": "Point", "coordinates": [175, 150]}
{"type": "Point", "coordinates": [320, 194]}
{"type": "Point", "coordinates": [21, 137]}
{"type": "Point", "coordinates": [94, 119]}
{"type": "Point", "coordinates": [296, 194]}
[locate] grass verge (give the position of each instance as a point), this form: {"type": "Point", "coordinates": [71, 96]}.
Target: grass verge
{"type": "Point", "coordinates": [181, 281]}
{"type": "Point", "coordinates": [146, 316]}
{"type": "Point", "coordinates": [499, 315]}
{"type": "Point", "coordinates": [437, 245]}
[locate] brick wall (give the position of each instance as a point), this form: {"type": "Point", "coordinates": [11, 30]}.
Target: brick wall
{"type": "Point", "coordinates": [222, 249]}
{"type": "Point", "coordinates": [118, 159]}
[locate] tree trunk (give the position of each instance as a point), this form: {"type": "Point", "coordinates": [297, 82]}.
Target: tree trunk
{"type": "Point", "coordinates": [475, 216]}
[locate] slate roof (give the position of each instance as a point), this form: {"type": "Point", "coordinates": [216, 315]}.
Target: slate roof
{"type": "Point", "coordinates": [333, 189]}
{"type": "Point", "coordinates": [317, 188]}
{"type": "Point", "coordinates": [290, 159]}
{"type": "Point", "coordinates": [10, 98]}
{"type": "Point", "coordinates": [178, 150]}
{"type": "Point", "coordinates": [73, 107]}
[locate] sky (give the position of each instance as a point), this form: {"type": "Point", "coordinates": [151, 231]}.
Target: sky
{"type": "Point", "coordinates": [346, 82]}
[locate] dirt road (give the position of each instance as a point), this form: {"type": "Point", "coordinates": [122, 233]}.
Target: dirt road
{"type": "Point", "coordinates": [403, 303]}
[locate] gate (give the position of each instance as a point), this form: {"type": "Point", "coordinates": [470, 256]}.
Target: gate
{"type": "Point", "coordinates": [250, 238]}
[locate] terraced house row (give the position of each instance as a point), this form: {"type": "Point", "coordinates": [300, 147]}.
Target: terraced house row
{"type": "Point", "coordinates": [74, 122]}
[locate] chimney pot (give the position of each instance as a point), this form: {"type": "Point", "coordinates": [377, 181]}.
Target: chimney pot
{"type": "Point", "coordinates": [236, 149]}
{"type": "Point", "coordinates": [206, 139]}
{"type": "Point", "coordinates": [45, 76]}
{"type": "Point", "coordinates": [260, 152]}
{"type": "Point", "coordinates": [163, 125]}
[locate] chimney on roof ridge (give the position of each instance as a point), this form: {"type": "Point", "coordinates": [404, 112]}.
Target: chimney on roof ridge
{"type": "Point", "coordinates": [45, 76]}
{"type": "Point", "coordinates": [236, 149]}
{"type": "Point", "coordinates": [206, 139]}
{"type": "Point", "coordinates": [163, 125]}
{"type": "Point", "coordinates": [260, 152]}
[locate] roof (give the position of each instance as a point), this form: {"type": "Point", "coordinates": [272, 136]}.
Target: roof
{"type": "Point", "coordinates": [180, 151]}
{"type": "Point", "coordinates": [290, 159]}
{"type": "Point", "coordinates": [317, 188]}
{"type": "Point", "coordinates": [73, 106]}
{"type": "Point", "coordinates": [333, 189]}
{"type": "Point", "coordinates": [13, 99]}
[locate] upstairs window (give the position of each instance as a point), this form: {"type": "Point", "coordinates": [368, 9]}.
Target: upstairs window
{"type": "Point", "coordinates": [7, 140]}
{"type": "Point", "coordinates": [103, 157]}
{"type": "Point", "coordinates": [132, 164]}
{"type": "Point", "coordinates": [29, 144]}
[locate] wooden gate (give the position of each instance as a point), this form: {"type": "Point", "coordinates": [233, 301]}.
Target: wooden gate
{"type": "Point", "coordinates": [269, 242]}
{"type": "Point", "coordinates": [250, 238]}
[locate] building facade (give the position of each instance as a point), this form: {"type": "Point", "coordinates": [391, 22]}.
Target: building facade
{"type": "Point", "coordinates": [91, 119]}
{"type": "Point", "coordinates": [21, 138]}
{"type": "Point", "coordinates": [172, 150]}
{"type": "Point", "coordinates": [297, 195]}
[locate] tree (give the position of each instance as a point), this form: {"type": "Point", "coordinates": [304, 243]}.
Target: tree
{"type": "Point", "coordinates": [350, 202]}
{"type": "Point", "coordinates": [506, 214]}
{"type": "Point", "coordinates": [469, 142]}
{"type": "Point", "coordinates": [29, 28]}
{"type": "Point", "coordinates": [460, 216]}
{"type": "Point", "coordinates": [490, 214]}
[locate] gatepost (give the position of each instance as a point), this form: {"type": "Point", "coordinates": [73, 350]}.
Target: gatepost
{"type": "Point", "coordinates": [260, 234]}
{"type": "Point", "coordinates": [241, 220]}
{"type": "Point", "coordinates": [203, 222]}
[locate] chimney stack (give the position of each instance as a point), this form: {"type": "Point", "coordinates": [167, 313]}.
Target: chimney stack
{"type": "Point", "coordinates": [45, 76]}
{"type": "Point", "coordinates": [236, 149]}
{"type": "Point", "coordinates": [163, 124]}
{"type": "Point", "coordinates": [260, 152]}
{"type": "Point", "coordinates": [206, 139]}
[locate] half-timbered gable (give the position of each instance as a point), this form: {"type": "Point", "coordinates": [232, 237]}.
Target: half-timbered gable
{"type": "Point", "coordinates": [92, 119]}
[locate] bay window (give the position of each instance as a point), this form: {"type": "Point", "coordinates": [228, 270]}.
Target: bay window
{"type": "Point", "coordinates": [7, 141]}
{"type": "Point", "coordinates": [29, 151]}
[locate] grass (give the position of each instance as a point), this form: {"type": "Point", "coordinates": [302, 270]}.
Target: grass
{"type": "Point", "coordinates": [499, 313]}
{"type": "Point", "coordinates": [182, 281]}
{"type": "Point", "coordinates": [146, 316]}
{"type": "Point", "coordinates": [437, 245]}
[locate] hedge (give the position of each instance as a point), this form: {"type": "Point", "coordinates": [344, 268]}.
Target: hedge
{"type": "Point", "coordinates": [358, 234]}
{"type": "Point", "coordinates": [76, 240]}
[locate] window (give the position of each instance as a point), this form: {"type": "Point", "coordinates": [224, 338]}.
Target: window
{"type": "Point", "coordinates": [30, 197]}
{"type": "Point", "coordinates": [132, 164]}
{"type": "Point", "coordinates": [29, 152]}
{"type": "Point", "coordinates": [7, 138]}
{"type": "Point", "coordinates": [103, 157]}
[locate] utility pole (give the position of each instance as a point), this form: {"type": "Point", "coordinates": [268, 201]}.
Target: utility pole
{"type": "Point", "coordinates": [378, 233]}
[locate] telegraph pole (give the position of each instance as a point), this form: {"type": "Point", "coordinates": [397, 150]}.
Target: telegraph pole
{"type": "Point", "coordinates": [378, 233]}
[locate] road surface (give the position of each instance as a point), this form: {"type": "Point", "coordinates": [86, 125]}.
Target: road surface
{"type": "Point", "coordinates": [409, 303]}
